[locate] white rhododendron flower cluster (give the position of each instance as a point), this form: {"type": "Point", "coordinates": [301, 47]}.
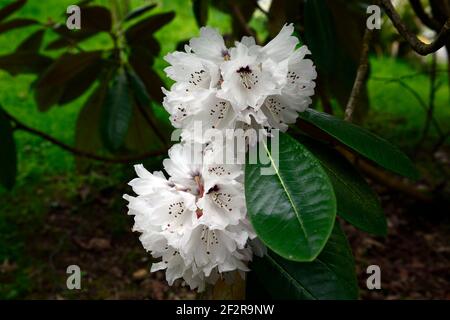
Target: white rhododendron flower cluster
{"type": "Point", "coordinates": [195, 217]}
{"type": "Point", "coordinates": [247, 85]}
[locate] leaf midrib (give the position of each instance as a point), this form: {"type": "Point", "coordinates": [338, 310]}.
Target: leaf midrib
{"type": "Point", "coordinates": [297, 214]}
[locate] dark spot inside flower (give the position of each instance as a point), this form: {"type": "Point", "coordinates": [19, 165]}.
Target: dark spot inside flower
{"type": "Point", "coordinates": [245, 69]}
{"type": "Point", "coordinates": [213, 189]}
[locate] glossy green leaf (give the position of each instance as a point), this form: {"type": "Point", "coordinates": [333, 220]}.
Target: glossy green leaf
{"type": "Point", "coordinates": [138, 88]}
{"type": "Point", "coordinates": [331, 276]}
{"type": "Point", "coordinates": [362, 141]}
{"type": "Point", "coordinates": [292, 210]}
{"type": "Point", "coordinates": [117, 112]}
{"type": "Point", "coordinates": [8, 156]}
{"type": "Point", "coordinates": [136, 13]}
{"type": "Point", "coordinates": [356, 201]}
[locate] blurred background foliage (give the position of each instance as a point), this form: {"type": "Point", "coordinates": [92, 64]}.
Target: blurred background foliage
{"type": "Point", "coordinates": [98, 90]}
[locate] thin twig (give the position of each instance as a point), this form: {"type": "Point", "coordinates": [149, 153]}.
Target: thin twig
{"type": "Point", "coordinates": [361, 76]}
{"type": "Point", "coordinates": [417, 45]}
{"type": "Point", "coordinates": [81, 153]}
{"type": "Point", "coordinates": [385, 178]}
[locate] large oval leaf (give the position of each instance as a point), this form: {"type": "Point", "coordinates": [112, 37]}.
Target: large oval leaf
{"type": "Point", "coordinates": [140, 61]}
{"type": "Point", "coordinates": [87, 134]}
{"type": "Point", "coordinates": [145, 28]}
{"type": "Point", "coordinates": [356, 201]}
{"type": "Point", "coordinates": [136, 13]}
{"type": "Point", "coordinates": [8, 156]}
{"type": "Point", "coordinates": [362, 141]}
{"type": "Point", "coordinates": [117, 112]}
{"type": "Point", "coordinates": [293, 210]}
{"type": "Point", "coordinates": [24, 62]}
{"type": "Point", "coordinates": [64, 78]}
{"type": "Point", "coordinates": [330, 276]}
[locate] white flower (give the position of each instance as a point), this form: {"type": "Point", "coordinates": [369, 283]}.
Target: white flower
{"type": "Point", "coordinates": [209, 45]}
{"type": "Point", "coordinates": [195, 221]}
{"type": "Point", "coordinates": [247, 80]}
{"type": "Point", "coordinates": [221, 88]}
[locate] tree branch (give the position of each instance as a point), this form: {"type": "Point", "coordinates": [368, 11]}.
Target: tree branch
{"type": "Point", "coordinates": [81, 153]}
{"type": "Point", "coordinates": [417, 45]}
{"type": "Point", "coordinates": [385, 178]}
{"type": "Point", "coordinates": [361, 76]}
{"type": "Point", "coordinates": [427, 20]}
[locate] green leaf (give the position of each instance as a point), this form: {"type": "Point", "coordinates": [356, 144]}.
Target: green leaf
{"type": "Point", "coordinates": [16, 23]}
{"type": "Point", "coordinates": [200, 8]}
{"type": "Point", "coordinates": [145, 28]}
{"type": "Point", "coordinates": [341, 27]}
{"type": "Point", "coordinates": [293, 210]}
{"type": "Point", "coordinates": [24, 62]}
{"type": "Point", "coordinates": [356, 201]}
{"type": "Point", "coordinates": [87, 133]}
{"type": "Point", "coordinates": [32, 43]}
{"type": "Point", "coordinates": [68, 70]}
{"type": "Point", "coordinates": [142, 67]}
{"type": "Point", "coordinates": [138, 87]}
{"type": "Point", "coordinates": [362, 141]}
{"type": "Point", "coordinates": [117, 112]}
{"type": "Point", "coordinates": [81, 82]}
{"type": "Point", "coordinates": [331, 276]}
{"type": "Point", "coordinates": [11, 8]}
{"type": "Point", "coordinates": [8, 156]}
{"type": "Point", "coordinates": [319, 29]}
{"type": "Point", "coordinates": [133, 14]}
{"type": "Point", "coordinates": [96, 18]}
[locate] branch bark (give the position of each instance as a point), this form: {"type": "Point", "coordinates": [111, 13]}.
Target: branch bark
{"type": "Point", "coordinates": [418, 46]}
{"type": "Point", "coordinates": [361, 76]}
{"type": "Point", "coordinates": [385, 178]}
{"type": "Point", "coordinates": [81, 153]}
{"type": "Point", "coordinates": [427, 20]}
